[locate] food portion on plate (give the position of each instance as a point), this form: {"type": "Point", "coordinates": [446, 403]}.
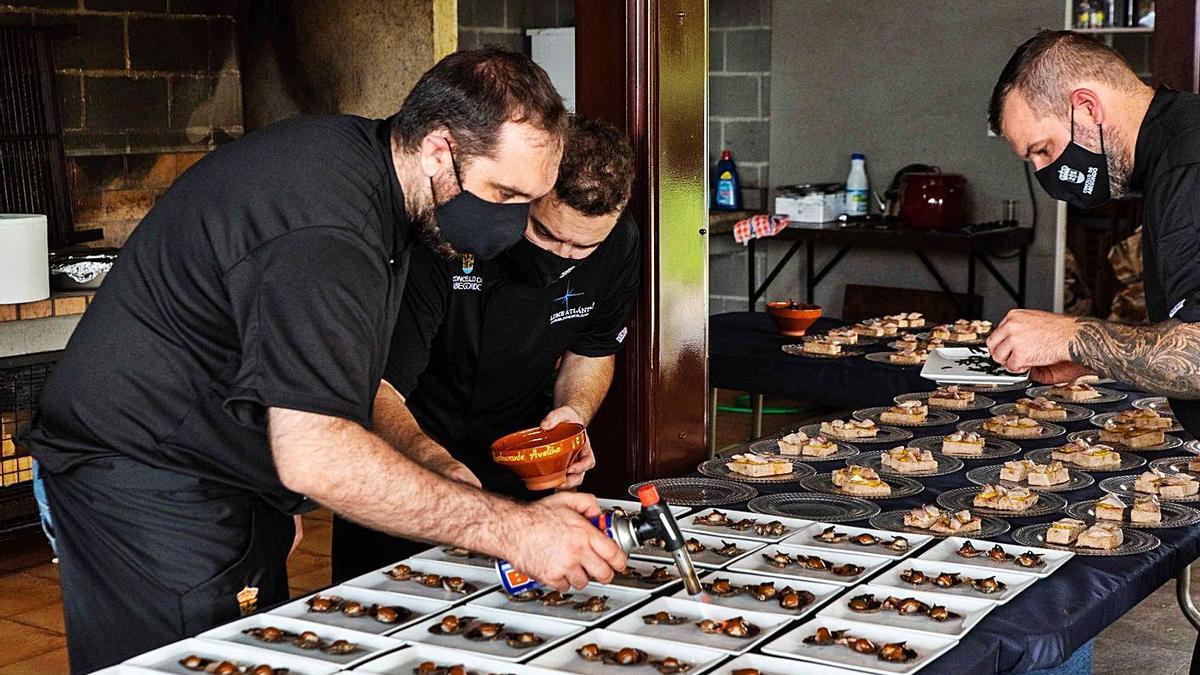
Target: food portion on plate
{"type": "Point", "coordinates": [1167, 486]}
{"type": "Point", "coordinates": [1041, 408]}
{"type": "Point", "coordinates": [929, 517]}
{"type": "Point", "coordinates": [909, 356]}
{"type": "Point", "coordinates": [1013, 426]}
{"type": "Point", "coordinates": [868, 603]}
{"type": "Point", "coordinates": [875, 328]}
{"type": "Point", "coordinates": [911, 341]}
{"type": "Point", "coordinates": [842, 336]}
{"type": "Point", "coordinates": [631, 656]}
{"type": "Point", "coordinates": [759, 466]}
{"type": "Point", "coordinates": [860, 481]}
{"type": "Point", "coordinates": [814, 563]}
{"type": "Point", "coordinates": [904, 459]}
{"type": "Point", "coordinates": [333, 604]}
{"type": "Point", "coordinates": [849, 429]}
{"type": "Point", "coordinates": [895, 652]}
{"type": "Point", "coordinates": [1111, 507]}
{"type": "Point", "coordinates": [450, 584]}
{"type": "Point", "coordinates": [1000, 498]}
{"type": "Point", "coordinates": [765, 591]}
{"type": "Point", "coordinates": [998, 554]}
{"type": "Point", "coordinates": [1102, 535]}
{"type": "Point", "coordinates": [952, 397]}
{"type": "Point", "coordinates": [831, 535]}
{"type": "Point", "coordinates": [715, 518]}
{"type": "Point", "coordinates": [905, 319]}
{"type": "Point", "coordinates": [801, 444]}
{"type": "Point", "coordinates": [307, 640]}
{"type": "Point", "coordinates": [1034, 474]}
{"type": "Point", "coordinates": [1074, 392]}
{"type": "Point", "coordinates": [1089, 456]}
{"type": "Point", "coordinates": [983, 585]}
{"type": "Point", "coordinates": [814, 344]}
{"type": "Point", "coordinates": [905, 412]}
{"type": "Point", "coordinates": [963, 443]}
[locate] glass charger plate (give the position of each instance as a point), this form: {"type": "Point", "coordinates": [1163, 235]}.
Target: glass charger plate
{"type": "Point", "coordinates": [1077, 479]}
{"type": "Point", "coordinates": [937, 417]}
{"type": "Point", "coordinates": [963, 498]}
{"type": "Point", "coordinates": [1129, 461]}
{"type": "Point", "coordinates": [1122, 486]}
{"type": "Point", "coordinates": [1173, 514]}
{"type": "Point", "coordinates": [885, 359]}
{"type": "Point", "coordinates": [1092, 437]}
{"type": "Point", "coordinates": [770, 446]}
{"type": "Point", "coordinates": [947, 464]}
{"type": "Point", "coordinates": [1174, 465]}
{"type": "Point", "coordinates": [901, 487]}
{"type": "Point", "coordinates": [796, 350]}
{"type": "Point", "coordinates": [1049, 430]}
{"type": "Point", "coordinates": [1192, 447]}
{"type": "Point", "coordinates": [823, 508]}
{"type": "Point", "coordinates": [1106, 395]}
{"type": "Point", "coordinates": [979, 403]}
{"type": "Point", "coordinates": [1158, 404]}
{"type": "Point", "coordinates": [1135, 541]}
{"type": "Point", "coordinates": [924, 337]}
{"type": "Point", "coordinates": [1074, 413]}
{"type": "Point", "coordinates": [893, 521]}
{"type": "Point", "coordinates": [993, 448]}
{"type": "Point", "coordinates": [1101, 418]}
{"type": "Point", "coordinates": [989, 388]}
{"type": "Point", "coordinates": [699, 491]}
{"type": "Point", "coordinates": [717, 468]}
{"type": "Point", "coordinates": [886, 434]}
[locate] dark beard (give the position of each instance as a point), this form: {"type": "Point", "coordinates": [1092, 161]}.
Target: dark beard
{"type": "Point", "coordinates": [1119, 169]}
{"type": "Point", "coordinates": [429, 232]}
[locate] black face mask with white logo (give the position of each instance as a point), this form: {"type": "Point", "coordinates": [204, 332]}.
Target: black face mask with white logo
{"type": "Point", "coordinates": [536, 266]}
{"type": "Point", "coordinates": [474, 225]}
{"type": "Point", "coordinates": [1078, 176]}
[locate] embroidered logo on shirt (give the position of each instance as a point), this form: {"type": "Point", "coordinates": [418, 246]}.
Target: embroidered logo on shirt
{"type": "Point", "coordinates": [1175, 310]}
{"type": "Point", "coordinates": [568, 311]}
{"type": "Point", "coordinates": [247, 600]}
{"type": "Point", "coordinates": [622, 334]}
{"type": "Point", "coordinates": [468, 263]}
{"type": "Point", "coordinates": [467, 281]}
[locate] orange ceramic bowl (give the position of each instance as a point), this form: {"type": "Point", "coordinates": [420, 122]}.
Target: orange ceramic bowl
{"type": "Point", "coordinates": [540, 457]}
{"type": "Point", "coordinates": [793, 318]}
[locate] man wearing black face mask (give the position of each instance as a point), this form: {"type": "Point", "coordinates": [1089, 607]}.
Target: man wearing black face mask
{"type": "Point", "coordinates": [1074, 108]}
{"type": "Point", "coordinates": [478, 342]}
{"type": "Point", "coordinates": [229, 372]}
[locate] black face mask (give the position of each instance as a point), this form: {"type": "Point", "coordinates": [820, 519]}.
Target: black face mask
{"type": "Point", "coordinates": [1078, 176]}
{"type": "Point", "coordinates": [476, 226]}
{"type": "Point", "coordinates": [535, 265]}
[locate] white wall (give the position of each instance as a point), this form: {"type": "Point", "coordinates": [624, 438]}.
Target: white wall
{"type": "Point", "coordinates": [901, 82]}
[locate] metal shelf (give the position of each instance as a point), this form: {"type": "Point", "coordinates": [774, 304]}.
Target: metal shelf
{"type": "Point", "coordinates": [1116, 29]}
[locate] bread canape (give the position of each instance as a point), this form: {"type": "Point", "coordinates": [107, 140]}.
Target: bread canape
{"type": "Point", "coordinates": [941, 332]}
{"type": "Point", "coordinates": [1111, 507]}
{"type": "Point", "coordinates": [1147, 510]}
{"type": "Point", "coordinates": [1081, 453]}
{"type": "Point", "coordinates": [1041, 408]}
{"type": "Point", "coordinates": [907, 412]}
{"type": "Point", "coordinates": [909, 357]}
{"type": "Point", "coordinates": [1013, 426]}
{"type": "Point", "coordinates": [1036, 475]}
{"type": "Point", "coordinates": [1143, 419]}
{"type": "Point", "coordinates": [758, 466]}
{"type": "Point", "coordinates": [1065, 531]}
{"type": "Point", "coordinates": [800, 443]}
{"type": "Point", "coordinates": [952, 397]}
{"type": "Point", "coordinates": [1101, 535]}
{"type": "Point", "coordinates": [932, 518]}
{"type": "Point", "coordinates": [842, 336]}
{"type": "Point", "coordinates": [1167, 486]}
{"type": "Point", "coordinates": [1001, 498]}
{"type": "Point", "coordinates": [860, 481]}
{"type": "Point", "coordinates": [903, 459]}
{"type": "Point", "coordinates": [963, 443]}
{"type": "Point", "coordinates": [1076, 392]}
{"type": "Point", "coordinates": [1131, 436]}
{"type": "Point", "coordinates": [849, 429]}
{"type": "Point", "coordinates": [819, 345]}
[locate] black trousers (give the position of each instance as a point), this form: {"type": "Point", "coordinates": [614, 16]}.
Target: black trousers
{"type": "Point", "coordinates": [356, 550]}
{"type": "Point", "coordinates": [148, 557]}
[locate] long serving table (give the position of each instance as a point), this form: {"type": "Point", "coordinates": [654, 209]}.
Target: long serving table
{"type": "Point", "coordinates": [1045, 625]}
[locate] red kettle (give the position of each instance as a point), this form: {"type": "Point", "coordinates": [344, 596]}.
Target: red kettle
{"type": "Point", "coordinates": [932, 201]}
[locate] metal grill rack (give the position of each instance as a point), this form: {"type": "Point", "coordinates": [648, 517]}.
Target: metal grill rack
{"type": "Point", "coordinates": [21, 381]}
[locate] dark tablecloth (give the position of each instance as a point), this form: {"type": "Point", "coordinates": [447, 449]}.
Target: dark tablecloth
{"type": "Point", "coordinates": [1047, 623]}
{"type": "Point", "coordinates": [745, 355]}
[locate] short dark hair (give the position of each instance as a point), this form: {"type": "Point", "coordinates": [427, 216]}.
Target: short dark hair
{"type": "Point", "coordinates": [1046, 66]}
{"type": "Point", "coordinates": [473, 93]}
{"type": "Point", "coordinates": [596, 173]}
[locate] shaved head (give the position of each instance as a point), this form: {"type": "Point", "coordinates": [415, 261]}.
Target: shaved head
{"type": "Point", "coordinates": [1049, 66]}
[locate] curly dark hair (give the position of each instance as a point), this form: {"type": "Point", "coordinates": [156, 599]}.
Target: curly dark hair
{"type": "Point", "coordinates": [473, 93]}
{"type": "Point", "coordinates": [596, 173]}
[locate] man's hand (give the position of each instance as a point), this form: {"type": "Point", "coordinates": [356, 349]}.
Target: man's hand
{"type": "Point", "coordinates": [586, 459]}
{"type": "Point", "coordinates": [1029, 338]}
{"type": "Point", "coordinates": [454, 470]}
{"type": "Point", "coordinates": [552, 541]}
{"type": "Point", "coordinates": [1055, 373]}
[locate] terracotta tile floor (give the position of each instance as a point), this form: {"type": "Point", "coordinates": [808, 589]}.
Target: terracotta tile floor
{"type": "Point", "coordinates": [33, 641]}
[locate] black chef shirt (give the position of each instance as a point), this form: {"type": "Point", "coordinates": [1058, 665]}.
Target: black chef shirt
{"type": "Point", "coordinates": [270, 274]}
{"type": "Point", "coordinates": [476, 346]}
{"type": "Point", "coordinates": [1166, 170]}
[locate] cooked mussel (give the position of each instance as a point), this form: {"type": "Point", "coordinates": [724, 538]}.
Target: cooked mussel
{"type": "Point", "coordinates": [654, 542]}
{"type": "Point", "coordinates": [846, 570]}
{"type": "Point", "coordinates": [458, 552]}
{"type": "Point", "coordinates": [778, 559]}
{"type": "Point", "coordinates": [862, 645]}
{"type": "Point", "coordinates": [354, 609]}
{"type": "Point", "coordinates": [556, 599]}
{"type": "Point", "coordinates": [864, 603]}
{"type": "Point", "coordinates": [715, 518]}
{"type": "Point", "coordinates": [527, 595]}
{"type": "Point", "coordinates": [660, 574]}
{"type": "Point", "coordinates": [999, 554]}
{"type": "Point", "coordinates": [400, 573]}
{"type": "Point", "coordinates": [988, 585]}
{"type": "Point", "coordinates": [523, 640]}
{"type": "Point", "coordinates": [738, 627]}
{"type": "Point", "coordinates": [267, 633]}
{"type": "Point", "coordinates": [947, 580]}
{"type": "Point", "coordinates": [458, 585]}
{"type": "Point", "coordinates": [627, 656]}
{"type": "Point", "coordinates": [789, 598]}
{"type": "Point", "coordinates": [451, 625]}
{"type": "Point", "coordinates": [771, 529]}
{"type": "Point", "coordinates": [595, 604]}
{"type": "Point", "coordinates": [591, 652]}
{"type": "Point", "coordinates": [324, 604]}
{"type": "Point", "coordinates": [628, 573]}
{"type": "Point", "coordinates": [830, 535]}
{"type": "Point", "coordinates": [340, 647]}
{"type": "Point", "coordinates": [263, 669]}
{"type": "Point", "coordinates": [484, 632]}
{"type": "Point", "coordinates": [913, 576]}
{"type": "Point", "coordinates": [742, 525]}
{"type": "Point", "coordinates": [390, 613]}
{"type": "Point", "coordinates": [663, 618]}
{"type": "Point", "coordinates": [940, 613]}
{"type": "Point", "coordinates": [907, 606]}
{"type": "Point", "coordinates": [430, 580]}
{"type": "Point", "coordinates": [898, 544]}
{"type": "Point", "coordinates": [722, 588]}
{"type": "Point", "coordinates": [693, 545]}
{"type": "Point", "coordinates": [762, 592]}
{"type": "Point", "coordinates": [746, 671]}
{"type": "Point", "coordinates": [1030, 559]}
{"type": "Point", "coordinates": [729, 550]}
{"type": "Point", "coordinates": [865, 539]}
{"type": "Point", "coordinates": [968, 550]}
{"type": "Point", "coordinates": [307, 640]}
{"type": "Point", "coordinates": [710, 626]}
{"type": "Point", "coordinates": [671, 665]}
{"type": "Point", "coordinates": [813, 562]}
{"type": "Point", "coordinates": [824, 636]}
{"type": "Point", "coordinates": [897, 652]}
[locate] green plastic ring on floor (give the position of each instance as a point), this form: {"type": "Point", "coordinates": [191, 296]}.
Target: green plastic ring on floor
{"type": "Point", "coordinates": [742, 405]}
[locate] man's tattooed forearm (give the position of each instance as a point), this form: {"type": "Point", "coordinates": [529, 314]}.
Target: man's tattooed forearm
{"type": "Point", "coordinates": [1162, 358]}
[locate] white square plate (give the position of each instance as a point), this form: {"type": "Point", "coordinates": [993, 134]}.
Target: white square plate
{"type": "Point", "coordinates": [755, 564]}
{"type": "Point", "coordinates": [619, 601]}
{"type": "Point", "coordinates": [165, 659]}
{"type": "Point", "coordinates": [631, 507]}
{"type": "Point", "coordinates": [690, 524]}
{"type": "Point", "coordinates": [483, 579]}
{"type": "Point", "coordinates": [696, 612]}
{"type": "Point", "coordinates": [552, 631]}
{"type": "Point", "coordinates": [369, 645]}
{"type": "Point", "coordinates": [406, 661]}
{"type": "Point", "coordinates": [1016, 582]}
{"type": "Point", "coordinates": [971, 609]}
{"type": "Point", "coordinates": [943, 366]}
{"type": "Point", "coordinates": [645, 567]}
{"type": "Point", "coordinates": [420, 608]}
{"type": "Point", "coordinates": [947, 551]}
{"type": "Point", "coordinates": [708, 558]}
{"type": "Point", "coordinates": [565, 658]}
{"type": "Point", "coordinates": [746, 602]}
{"type": "Point", "coordinates": [773, 665]}
{"type": "Point", "coordinates": [440, 554]}
{"type": "Point", "coordinates": [928, 646]}
{"type": "Point", "coordinates": [808, 537]}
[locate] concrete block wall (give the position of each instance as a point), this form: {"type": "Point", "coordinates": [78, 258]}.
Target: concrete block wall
{"type": "Point", "coordinates": [502, 23]}
{"type": "Point", "coordinates": [739, 82]}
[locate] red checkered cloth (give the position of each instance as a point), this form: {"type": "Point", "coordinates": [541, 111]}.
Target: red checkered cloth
{"type": "Point", "coordinates": [757, 227]}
